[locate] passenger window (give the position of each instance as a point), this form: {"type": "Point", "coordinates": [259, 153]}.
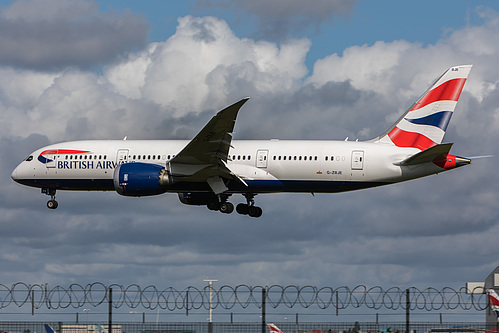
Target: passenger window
{"type": "Point", "coordinates": [284, 157]}
{"type": "Point", "coordinates": [249, 157]}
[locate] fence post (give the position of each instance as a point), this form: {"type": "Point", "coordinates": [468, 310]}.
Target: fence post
{"type": "Point", "coordinates": [264, 296]}
{"type": "Point", "coordinates": [187, 303]}
{"type": "Point", "coordinates": [407, 310]}
{"type": "Point", "coordinates": [110, 325]}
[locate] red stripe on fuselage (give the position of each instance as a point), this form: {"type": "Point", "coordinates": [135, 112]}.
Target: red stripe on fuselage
{"type": "Point", "coordinates": [63, 151]}
{"type": "Point", "coordinates": [448, 91]}
{"type": "Point", "coordinates": [403, 138]}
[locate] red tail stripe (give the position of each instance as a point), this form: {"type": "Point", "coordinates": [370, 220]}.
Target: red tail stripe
{"type": "Point", "coordinates": [447, 91]}
{"type": "Point", "coordinates": [494, 301]}
{"type": "Point", "coordinates": [403, 138]}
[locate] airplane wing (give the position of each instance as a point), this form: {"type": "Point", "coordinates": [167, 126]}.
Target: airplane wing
{"type": "Point", "coordinates": [205, 157]}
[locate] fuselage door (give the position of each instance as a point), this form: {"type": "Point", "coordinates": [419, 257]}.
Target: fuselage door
{"type": "Point", "coordinates": [357, 160]}
{"type": "Point", "coordinates": [122, 156]}
{"type": "Point", "coordinates": [261, 158]}
{"type": "Point", "coordinates": [51, 161]}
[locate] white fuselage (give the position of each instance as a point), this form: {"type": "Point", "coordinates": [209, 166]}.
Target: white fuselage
{"type": "Point", "coordinates": [264, 165]}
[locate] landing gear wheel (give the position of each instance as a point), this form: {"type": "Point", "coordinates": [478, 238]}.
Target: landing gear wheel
{"type": "Point", "coordinates": [255, 211]}
{"type": "Point", "coordinates": [52, 204]}
{"type": "Point", "coordinates": [249, 208]}
{"type": "Point", "coordinates": [226, 208]}
{"type": "Point", "coordinates": [242, 209]}
{"type": "Point", "coordinates": [214, 204]}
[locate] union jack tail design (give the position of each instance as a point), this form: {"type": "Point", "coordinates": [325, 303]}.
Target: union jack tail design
{"type": "Point", "coordinates": [273, 328]}
{"type": "Point", "coordinates": [49, 329]}
{"type": "Point", "coordinates": [424, 124]}
{"type": "Point", "coordinates": [494, 301]}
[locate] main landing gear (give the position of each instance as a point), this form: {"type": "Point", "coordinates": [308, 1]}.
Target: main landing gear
{"type": "Point", "coordinates": [52, 203]}
{"type": "Point", "coordinates": [249, 208]}
{"type": "Point", "coordinates": [220, 203]}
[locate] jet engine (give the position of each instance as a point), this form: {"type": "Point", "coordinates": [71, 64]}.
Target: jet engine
{"type": "Point", "coordinates": [141, 179]}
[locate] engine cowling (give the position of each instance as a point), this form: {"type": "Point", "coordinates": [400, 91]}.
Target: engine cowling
{"type": "Point", "coordinates": [141, 179]}
{"type": "Point", "coordinates": [197, 198]}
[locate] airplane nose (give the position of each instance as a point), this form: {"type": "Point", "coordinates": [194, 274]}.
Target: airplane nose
{"type": "Point", "coordinates": [14, 175]}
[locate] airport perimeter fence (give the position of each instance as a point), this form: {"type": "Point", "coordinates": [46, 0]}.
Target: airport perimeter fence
{"type": "Point", "coordinates": [96, 300]}
{"type": "Point", "coordinates": [226, 297]}
{"type": "Point", "coordinates": [286, 327]}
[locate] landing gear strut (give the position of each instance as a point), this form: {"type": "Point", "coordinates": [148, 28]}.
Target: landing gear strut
{"type": "Point", "coordinates": [249, 208]}
{"type": "Point", "coordinates": [52, 203]}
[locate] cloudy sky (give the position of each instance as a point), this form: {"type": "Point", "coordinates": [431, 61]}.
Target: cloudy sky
{"type": "Point", "coordinates": [77, 69]}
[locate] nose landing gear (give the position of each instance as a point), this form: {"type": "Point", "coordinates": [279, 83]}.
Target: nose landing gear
{"type": "Point", "coordinates": [52, 203]}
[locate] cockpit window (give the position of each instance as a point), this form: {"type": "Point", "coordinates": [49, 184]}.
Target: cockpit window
{"type": "Point", "coordinates": [29, 158]}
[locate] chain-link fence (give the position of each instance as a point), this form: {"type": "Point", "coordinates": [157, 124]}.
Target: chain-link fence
{"type": "Point", "coordinates": [351, 327]}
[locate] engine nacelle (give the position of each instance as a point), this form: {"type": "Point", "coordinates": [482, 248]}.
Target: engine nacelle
{"type": "Point", "coordinates": [197, 198]}
{"type": "Point", "coordinates": [141, 179]}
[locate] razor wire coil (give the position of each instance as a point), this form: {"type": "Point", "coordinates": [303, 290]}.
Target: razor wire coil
{"type": "Point", "coordinates": [243, 296]}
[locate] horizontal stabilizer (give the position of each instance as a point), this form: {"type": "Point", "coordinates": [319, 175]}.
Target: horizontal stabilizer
{"type": "Point", "coordinates": [428, 155]}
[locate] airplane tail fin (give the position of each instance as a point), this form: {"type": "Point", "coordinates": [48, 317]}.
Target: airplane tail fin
{"type": "Point", "coordinates": [48, 328]}
{"type": "Point", "coordinates": [100, 329]}
{"type": "Point", "coordinates": [273, 328]}
{"type": "Point", "coordinates": [424, 124]}
{"type": "Point", "coordinates": [494, 301]}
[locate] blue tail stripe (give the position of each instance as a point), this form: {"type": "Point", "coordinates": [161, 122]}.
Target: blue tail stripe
{"type": "Point", "coordinates": [439, 119]}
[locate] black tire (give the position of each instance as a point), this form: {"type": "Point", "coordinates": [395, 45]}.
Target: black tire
{"type": "Point", "coordinates": [227, 208]}
{"type": "Point", "coordinates": [52, 204]}
{"type": "Point", "coordinates": [242, 209]}
{"type": "Point", "coordinates": [214, 204]}
{"type": "Point", "coordinates": [255, 211]}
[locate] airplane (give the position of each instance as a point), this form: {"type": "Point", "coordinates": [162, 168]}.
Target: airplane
{"type": "Point", "coordinates": [211, 167]}
{"type": "Point", "coordinates": [273, 328]}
